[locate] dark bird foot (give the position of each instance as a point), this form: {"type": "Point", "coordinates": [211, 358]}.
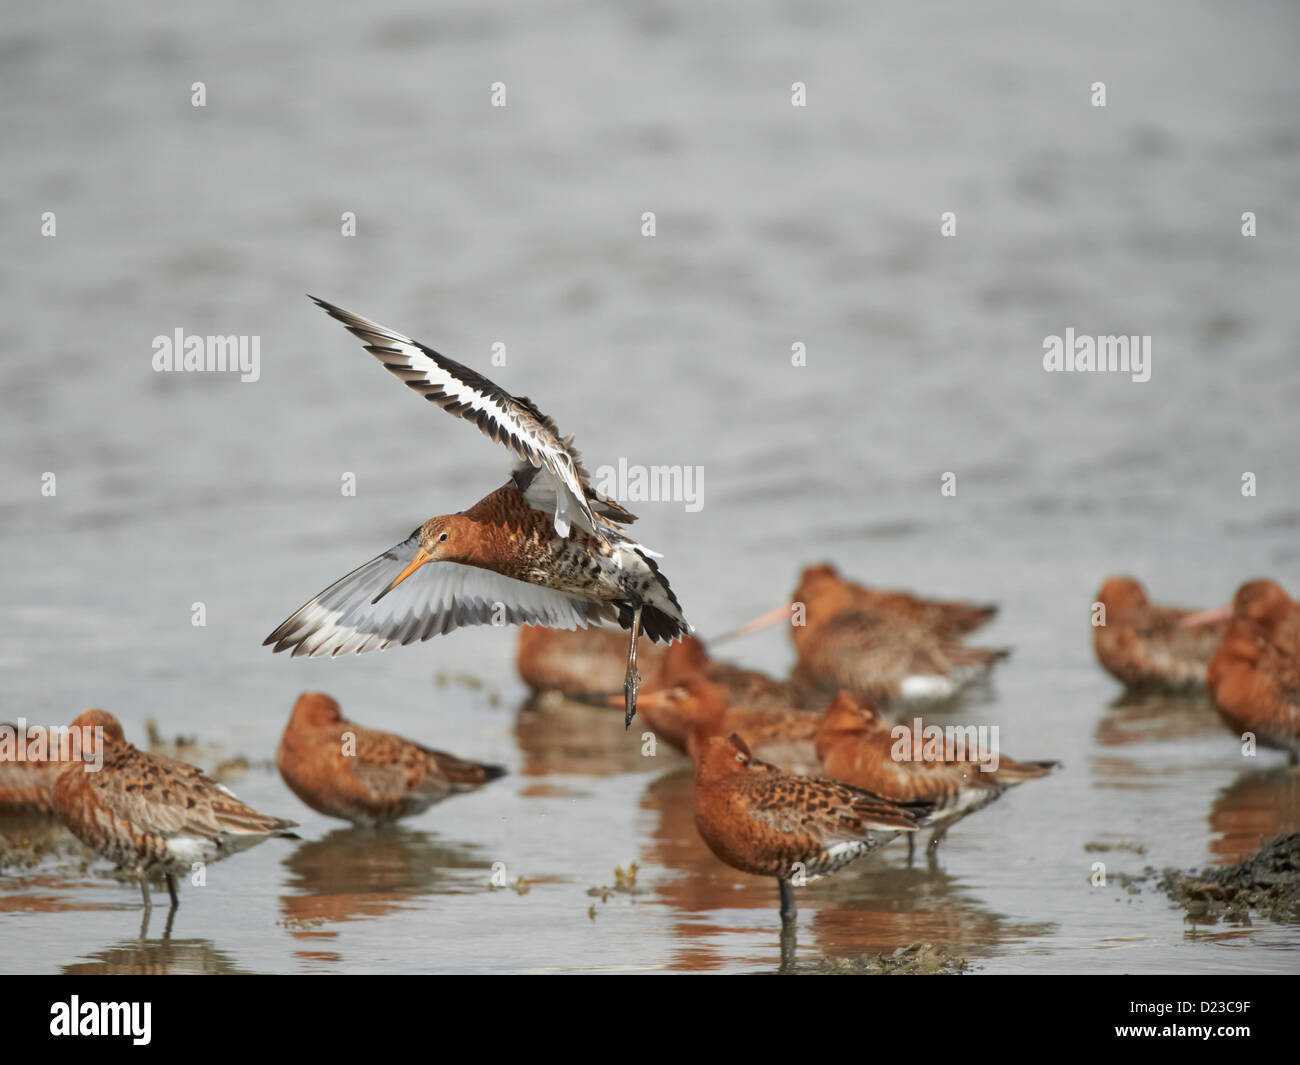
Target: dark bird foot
{"type": "Point", "coordinates": [630, 685]}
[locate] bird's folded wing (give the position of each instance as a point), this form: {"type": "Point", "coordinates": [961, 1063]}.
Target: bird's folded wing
{"type": "Point", "coordinates": [507, 419]}
{"type": "Point", "coordinates": [796, 804]}
{"type": "Point", "coordinates": [435, 599]}
{"type": "Point", "coordinates": [199, 806]}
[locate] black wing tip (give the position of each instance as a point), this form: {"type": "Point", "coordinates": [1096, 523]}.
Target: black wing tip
{"type": "Point", "coordinates": [337, 313]}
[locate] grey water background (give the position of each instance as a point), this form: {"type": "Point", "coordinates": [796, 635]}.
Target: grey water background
{"type": "Point", "coordinates": [521, 225]}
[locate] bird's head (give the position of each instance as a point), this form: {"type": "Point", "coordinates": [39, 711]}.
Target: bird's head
{"type": "Point", "coordinates": [445, 538]}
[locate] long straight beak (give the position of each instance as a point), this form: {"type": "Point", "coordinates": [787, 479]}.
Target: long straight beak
{"type": "Point", "coordinates": [421, 557]}
{"type": "Point", "coordinates": [763, 621]}
{"type": "Point", "coordinates": [1206, 617]}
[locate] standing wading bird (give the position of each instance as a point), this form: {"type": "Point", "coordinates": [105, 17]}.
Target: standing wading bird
{"type": "Point", "coordinates": [1254, 676]}
{"type": "Point", "coordinates": [858, 748]}
{"type": "Point", "coordinates": [1150, 647]}
{"type": "Point", "coordinates": [764, 821]}
{"type": "Point", "coordinates": [887, 646]}
{"type": "Point", "coordinates": [362, 775]}
{"type": "Point", "coordinates": [27, 783]}
{"type": "Point", "coordinates": [583, 664]}
{"type": "Point", "coordinates": [154, 815]}
{"type": "Point", "coordinates": [543, 549]}
{"type": "Point", "coordinates": [688, 714]}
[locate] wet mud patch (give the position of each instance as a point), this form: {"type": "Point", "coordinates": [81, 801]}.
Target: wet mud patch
{"type": "Point", "coordinates": [1267, 885]}
{"type": "Point", "coordinates": [917, 959]}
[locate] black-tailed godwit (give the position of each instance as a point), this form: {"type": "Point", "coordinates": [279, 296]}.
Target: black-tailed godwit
{"type": "Point", "coordinates": [835, 593]}
{"type": "Point", "coordinates": [858, 748]}
{"type": "Point", "coordinates": [1146, 646]}
{"type": "Point", "coordinates": [761, 820]}
{"type": "Point", "coordinates": [29, 765]}
{"type": "Point", "coordinates": [364, 776]}
{"type": "Point", "coordinates": [688, 714]}
{"type": "Point", "coordinates": [1254, 676]}
{"type": "Point", "coordinates": [582, 663]}
{"type": "Point", "coordinates": [543, 549]}
{"type": "Point", "coordinates": [154, 815]}
{"type": "Point", "coordinates": [882, 645]}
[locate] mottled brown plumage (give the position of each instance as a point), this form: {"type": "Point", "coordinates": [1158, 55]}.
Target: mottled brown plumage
{"type": "Point", "coordinates": [823, 586]}
{"type": "Point", "coordinates": [688, 714]}
{"type": "Point", "coordinates": [544, 549]}
{"type": "Point", "coordinates": [361, 775]}
{"type": "Point", "coordinates": [504, 534]}
{"type": "Point", "coordinates": [857, 747]}
{"type": "Point", "coordinates": [761, 820]}
{"type": "Point", "coordinates": [581, 663]}
{"type": "Point", "coordinates": [748, 687]}
{"type": "Point", "coordinates": [1146, 646]}
{"type": "Point", "coordinates": [27, 782]}
{"type": "Point", "coordinates": [885, 657]}
{"type": "Point", "coordinates": [153, 815]}
{"type": "Point", "coordinates": [1254, 676]}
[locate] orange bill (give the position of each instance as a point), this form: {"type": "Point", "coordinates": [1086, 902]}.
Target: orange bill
{"type": "Point", "coordinates": [421, 557]}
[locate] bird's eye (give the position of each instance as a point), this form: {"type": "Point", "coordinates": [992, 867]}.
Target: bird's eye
{"type": "Point", "coordinates": [442, 538]}
{"type": "Point", "coordinates": [740, 758]}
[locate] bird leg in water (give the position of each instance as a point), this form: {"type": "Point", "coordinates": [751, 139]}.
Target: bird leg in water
{"type": "Point", "coordinates": [788, 910]}
{"type": "Point", "coordinates": [789, 945]}
{"type": "Point", "coordinates": [171, 890]}
{"type": "Point", "coordinates": [144, 891]}
{"type": "Point", "coordinates": [631, 679]}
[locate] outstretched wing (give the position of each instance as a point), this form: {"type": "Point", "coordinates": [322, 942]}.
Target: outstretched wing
{"type": "Point", "coordinates": [507, 419]}
{"type": "Point", "coordinates": [435, 599]}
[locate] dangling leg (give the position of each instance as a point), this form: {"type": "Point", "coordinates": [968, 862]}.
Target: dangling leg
{"type": "Point", "coordinates": [631, 679]}
{"type": "Point", "coordinates": [171, 890]}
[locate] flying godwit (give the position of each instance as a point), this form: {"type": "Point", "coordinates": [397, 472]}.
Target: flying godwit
{"type": "Point", "coordinates": [1254, 676]}
{"type": "Point", "coordinates": [858, 748]}
{"type": "Point", "coordinates": [1152, 647]}
{"type": "Point", "coordinates": [154, 815]}
{"type": "Point", "coordinates": [761, 820]}
{"type": "Point", "coordinates": [364, 776]}
{"type": "Point", "coordinates": [543, 549]}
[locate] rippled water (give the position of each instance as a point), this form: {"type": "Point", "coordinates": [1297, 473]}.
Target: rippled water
{"type": "Point", "coordinates": [775, 226]}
